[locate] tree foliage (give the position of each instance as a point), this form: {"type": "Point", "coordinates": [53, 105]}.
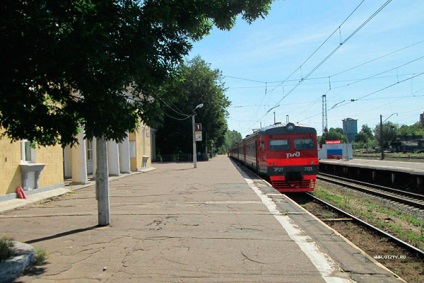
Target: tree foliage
{"type": "Point", "coordinates": [196, 84]}
{"type": "Point", "coordinates": [416, 129]}
{"type": "Point", "coordinates": [231, 137]}
{"type": "Point", "coordinates": [389, 132]}
{"type": "Point", "coordinates": [364, 135]}
{"type": "Point", "coordinates": [97, 64]}
{"type": "Point", "coordinates": [333, 134]}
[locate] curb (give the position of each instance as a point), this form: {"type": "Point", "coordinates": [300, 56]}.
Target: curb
{"type": "Point", "coordinates": [12, 268]}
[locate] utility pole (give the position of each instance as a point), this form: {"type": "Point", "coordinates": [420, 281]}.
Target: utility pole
{"type": "Point", "coordinates": [381, 132]}
{"type": "Point", "coordinates": [194, 134]}
{"type": "Point", "coordinates": [381, 137]}
{"type": "Point", "coordinates": [324, 114]}
{"type": "Point", "coordinates": [194, 141]}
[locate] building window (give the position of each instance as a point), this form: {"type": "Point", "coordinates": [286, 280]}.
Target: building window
{"type": "Point", "coordinates": [28, 151]}
{"type": "Point", "coordinates": [89, 146]}
{"type": "Point", "coordinates": [133, 153]}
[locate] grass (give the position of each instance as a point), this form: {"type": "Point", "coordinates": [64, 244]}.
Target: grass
{"type": "Point", "coordinates": [40, 257]}
{"type": "Point", "coordinates": [400, 224]}
{"type": "Point", "coordinates": [6, 248]}
{"type": "Point", "coordinates": [395, 221]}
{"type": "Point", "coordinates": [6, 251]}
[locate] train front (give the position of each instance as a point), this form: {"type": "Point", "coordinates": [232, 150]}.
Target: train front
{"type": "Point", "coordinates": [291, 157]}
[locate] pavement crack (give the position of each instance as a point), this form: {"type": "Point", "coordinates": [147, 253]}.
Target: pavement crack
{"type": "Point", "coordinates": [174, 261]}
{"type": "Point", "coordinates": [252, 260]}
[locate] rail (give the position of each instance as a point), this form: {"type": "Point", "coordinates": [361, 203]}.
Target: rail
{"type": "Point", "coordinates": [404, 197]}
{"type": "Point", "coordinates": [398, 241]}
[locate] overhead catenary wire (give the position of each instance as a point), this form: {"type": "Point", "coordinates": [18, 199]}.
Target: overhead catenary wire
{"type": "Point", "coordinates": [319, 47]}
{"type": "Point", "coordinates": [324, 77]}
{"type": "Point", "coordinates": [378, 58]}
{"type": "Point", "coordinates": [337, 48]}
{"type": "Point", "coordinates": [328, 56]}
{"type": "Point", "coordinates": [379, 90]}
{"type": "Point", "coordinates": [384, 88]}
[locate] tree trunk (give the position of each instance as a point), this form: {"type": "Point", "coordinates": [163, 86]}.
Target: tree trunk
{"type": "Point", "coordinates": [102, 183]}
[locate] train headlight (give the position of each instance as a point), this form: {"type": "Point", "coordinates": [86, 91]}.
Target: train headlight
{"type": "Point", "coordinates": [290, 126]}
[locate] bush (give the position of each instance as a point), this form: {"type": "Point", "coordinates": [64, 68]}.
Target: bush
{"type": "Point", "coordinates": [6, 248]}
{"type": "Point", "coordinates": [40, 257]}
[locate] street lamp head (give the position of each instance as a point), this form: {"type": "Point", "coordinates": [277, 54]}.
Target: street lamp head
{"type": "Point", "coordinates": [199, 106]}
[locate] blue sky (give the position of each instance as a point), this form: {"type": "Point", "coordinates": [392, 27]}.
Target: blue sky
{"type": "Point", "coordinates": [366, 65]}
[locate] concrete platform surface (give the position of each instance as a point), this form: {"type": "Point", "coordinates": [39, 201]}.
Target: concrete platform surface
{"type": "Point", "coordinates": [213, 223]}
{"type": "Point", "coordinates": [416, 168]}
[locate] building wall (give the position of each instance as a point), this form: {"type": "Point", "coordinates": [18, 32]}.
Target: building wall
{"type": "Point", "coordinates": [11, 158]}
{"type": "Point", "coordinates": [52, 173]}
{"type": "Point", "coordinates": [350, 128]}
{"type": "Point", "coordinates": [133, 151]}
{"type": "Point", "coordinates": [140, 147]}
{"type": "Point", "coordinates": [10, 174]}
{"type": "Point", "coordinates": [336, 151]}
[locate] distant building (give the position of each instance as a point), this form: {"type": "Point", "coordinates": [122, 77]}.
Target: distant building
{"type": "Point", "coordinates": [422, 118]}
{"type": "Point", "coordinates": [350, 128]}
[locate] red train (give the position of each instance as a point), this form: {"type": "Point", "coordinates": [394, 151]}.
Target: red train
{"type": "Point", "coordinates": [287, 154]}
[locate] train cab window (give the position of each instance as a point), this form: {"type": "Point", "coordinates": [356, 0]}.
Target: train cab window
{"type": "Point", "coordinates": [279, 144]}
{"type": "Point", "coordinates": [306, 143]}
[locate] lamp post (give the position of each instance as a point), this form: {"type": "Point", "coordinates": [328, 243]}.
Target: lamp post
{"type": "Point", "coordinates": [381, 137]}
{"type": "Point", "coordinates": [381, 133]}
{"type": "Point", "coordinates": [194, 134]}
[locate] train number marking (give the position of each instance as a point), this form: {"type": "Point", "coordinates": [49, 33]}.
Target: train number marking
{"type": "Point", "coordinates": [308, 169]}
{"type": "Point", "coordinates": [278, 169]}
{"type": "Point", "coordinates": [291, 155]}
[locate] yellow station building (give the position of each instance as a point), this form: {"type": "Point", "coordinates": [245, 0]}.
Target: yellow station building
{"type": "Point", "coordinates": [37, 169]}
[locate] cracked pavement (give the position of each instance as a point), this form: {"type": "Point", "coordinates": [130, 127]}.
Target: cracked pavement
{"type": "Point", "coordinates": [173, 224]}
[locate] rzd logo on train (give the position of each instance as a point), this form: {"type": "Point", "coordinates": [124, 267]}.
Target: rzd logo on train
{"type": "Point", "coordinates": [291, 155]}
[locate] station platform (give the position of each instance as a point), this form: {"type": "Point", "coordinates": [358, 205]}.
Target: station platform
{"type": "Point", "coordinates": [416, 168]}
{"type": "Point", "coordinates": [401, 175]}
{"type": "Point", "coordinates": [213, 223]}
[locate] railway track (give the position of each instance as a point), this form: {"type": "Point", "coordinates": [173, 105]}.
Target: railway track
{"type": "Point", "coordinates": [403, 197]}
{"type": "Point", "coordinates": [394, 239]}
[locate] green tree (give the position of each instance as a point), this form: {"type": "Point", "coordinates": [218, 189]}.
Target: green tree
{"type": "Point", "coordinates": [231, 137]}
{"type": "Point", "coordinates": [196, 84]}
{"type": "Point", "coordinates": [389, 133]}
{"type": "Point", "coordinates": [367, 131]}
{"type": "Point", "coordinates": [97, 64]}
{"type": "Point", "coordinates": [333, 134]}
{"type": "Point", "coordinates": [364, 138]}
{"type": "Point", "coordinates": [415, 129]}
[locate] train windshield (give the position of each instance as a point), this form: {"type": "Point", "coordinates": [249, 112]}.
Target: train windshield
{"type": "Point", "coordinates": [304, 143]}
{"type": "Point", "coordinates": [279, 144]}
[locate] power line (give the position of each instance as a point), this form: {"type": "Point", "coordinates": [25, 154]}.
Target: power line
{"type": "Point", "coordinates": [344, 41]}
{"type": "Point", "coordinates": [175, 118]}
{"type": "Point", "coordinates": [323, 77]}
{"type": "Point", "coordinates": [299, 68]}
{"type": "Point", "coordinates": [389, 86]}
{"type": "Point", "coordinates": [319, 47]}
{"type": "Point", "coordinates": [375, 59]}
{"type": "Point", "coordinates": [378, 74]}
{"type": "Point", "coordinates": [330, 54]}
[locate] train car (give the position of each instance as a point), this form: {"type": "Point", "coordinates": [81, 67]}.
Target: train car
{"type": "Point", "coordinates": [286, 154]}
